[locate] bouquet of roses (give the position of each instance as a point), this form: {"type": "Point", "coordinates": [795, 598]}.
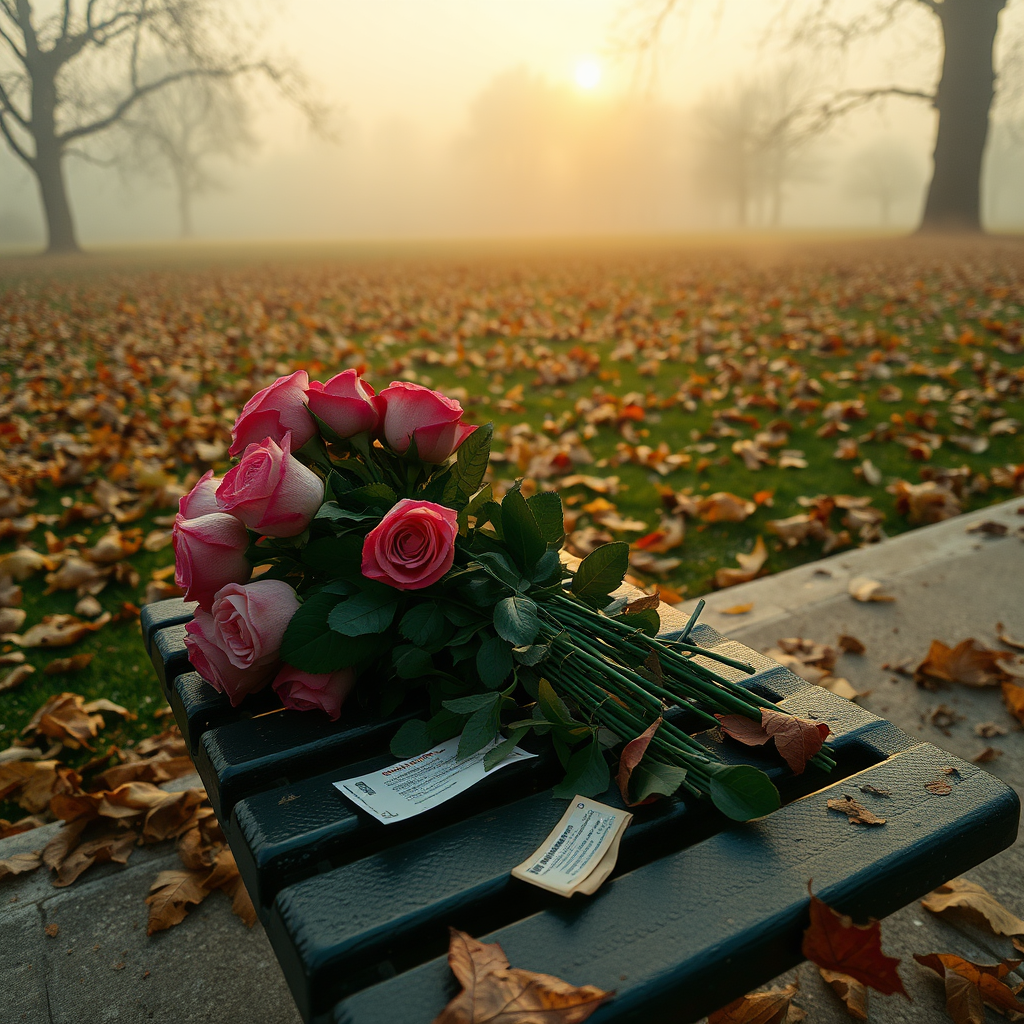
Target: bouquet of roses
{"type": "Point", "coordinates": [355, 552]}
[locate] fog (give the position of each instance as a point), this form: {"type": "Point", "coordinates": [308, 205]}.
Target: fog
{"type": "Point", "coordinates": [469, 118]}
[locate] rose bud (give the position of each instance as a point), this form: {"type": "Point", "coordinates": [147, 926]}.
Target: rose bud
{"type": "Point", "coordinates": [271, 491]}
{"type": "Point", "coordinates": [303, 691]}
{"type": "Point", "coordinates": [273, 412]}
{"type": "Point", "coordinates": [413, 546]}
{"type": "Point", "coordinates": [345, 403]}
{"type": "Point", "coordinates": [212, 663]}
{"type": "Point", "coordinates": [411, 410]}
{"type": "Point", "coordinates": [202, 499]}
{"type": "Point", "coordinates": [249, 621]}
{"type": "Point", "coordinates": [209, 552]}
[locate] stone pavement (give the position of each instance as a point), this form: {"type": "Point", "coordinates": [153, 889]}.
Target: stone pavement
{"type": "Point", "coordinates": [948, 584]}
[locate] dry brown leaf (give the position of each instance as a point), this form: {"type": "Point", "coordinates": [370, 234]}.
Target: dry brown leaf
{"type": "Point", "coordinates": [58, 631]}
{"type": "Point", "coordinates": [157, 769]}
{"type": "Point", "coordinates": [26, 824]}
{"type": "Point", "coordinates": [1017, 645]}
{"type": "Point", "coordinates": [939, 787]}
{"type": "Point", "coordinates": [20, 564]}
{"type": "Point", "coordinates": [968, 663]}
{"type": "Point", "coordinates": [15, 677]}
{"type": "Point", "coordinates": [64, 718]}
{"type": "Point", "coordinates": [1013, 698]}
{"type": "Point", "coordinates": [171, 894]}
{"type": "Point", "coordinates": [856, 813]}
{"type": "Point", "coordinates": [796, 739]}
{"type": "Point", "coordinates": [11, 619]}
{"type": "Point", "coordinates": [738, 609]}
{"type": "Point", "coordinates": [978, 902]}
{"type": "Point", "coordinates": [494, 992]}
{"type": "Point", "coordinates": [33, 784]}
{"type": "Point", "coordinates": [850, 644]}
{"type": "Point", "coordinates": [19, 863]}
{"type": "Point", "coordinates": [852, 992]}
{"type": "Point", "coordinates": [723, 507]}
{"type": "Point", "coordinates": [969, 986]}
{"type": "Point", "coordinates": [770, 1007]}
{"type": "Point", "coordinates": [863, 589]}
{"type": "Point", "coordinates": [80, 844]}
{"type": "Point", "coordinates": [834, 942]}
{"type": "Point", "coordinates": [750, 565]}
{"type": "Point", "coordinates": [986, 754]}
{"type": "Point", "coordinates": [75, 663]}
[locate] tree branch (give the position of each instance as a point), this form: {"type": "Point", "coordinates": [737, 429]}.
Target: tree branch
{"type": "Point", "coordinates": [7, 106]}
{"type": "Point", "coordinates": [13, 142]}
{"type": "Point", "coordinates": [13, 46]}
{"type": "Point", "coordinates": [842, 103]}
{"type": "Point", "coordinates": [129, 101]}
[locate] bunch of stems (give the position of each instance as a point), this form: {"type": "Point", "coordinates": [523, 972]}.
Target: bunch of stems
{"type": "Point", "coordinates": [592, 657]}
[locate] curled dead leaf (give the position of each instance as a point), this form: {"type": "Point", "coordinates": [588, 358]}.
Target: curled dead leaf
{"type": "Point", "coordinates": [856, 813]}
{"type": "Point", "coordinates": [863, 589]}
{"type": "Point", "coordinates": [969, 986]}
{"type": "Point", "coordinates": [749, 566]}
{"type": "Point", "coordinates": [968, 663]}
{"type": "Point", "coordinates": [963, 895]}
{"type": "Point", "coordinates": [773, 1006]}
{"type": "Point", "coordinates": [58, 631]}
{"type": "Point", "coordinates": [853, 993]}
{"type": "Point", "coordinates": [19, 863]}
{"type": "Point", "coordinates": [75, 663]}
{"type": "Point", "coordinates": [15, 677]}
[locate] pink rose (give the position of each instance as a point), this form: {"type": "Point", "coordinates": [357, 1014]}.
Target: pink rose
{"type": "Point", "coordinates": [413, 546]}
{"type": "Point", "coordinates": [249, 621]}
{"type": "Point", "coordinates": [271, 491]}
{"type": "Point", "coordinates": [202, 499]}
{"type": "Point", "coordinates": [411, 410]}
{"type": "Point", "coordinates": [212, 663]}
{"type": "Point", "coordinates": [303, 691]}
{"type": "Point", "coordinates": [209, 551]}
{"type": "Point", "coordinates": [345, 403]}
{"type": "Point", "coordinates": [273, 412]}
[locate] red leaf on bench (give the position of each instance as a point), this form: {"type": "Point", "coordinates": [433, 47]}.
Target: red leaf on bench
{"type": "Point", "coordinates": [835, 943]}
{"type": "Point", "coordinates": [796, 739]}
{"type": "Point", "coordinates": [631, 756]}
{"type": "Point", "coordinates": [494, 992]}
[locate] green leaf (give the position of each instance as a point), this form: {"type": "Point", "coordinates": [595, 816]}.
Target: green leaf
{"type": "Point", "coordinates": [548, 569]}
{"type": "Point", "coordinates": [587, 774]}
{"type": "Point", "coordinates": [497, 565]}
{"type": "Point", "coordinates": [652, 778]}
{"type": "Point", "coordinates": [335, 556]}
{"type": "Point", "coordinates": [377, 495]}
{"type": "Point", "coordinates": [522, 533]}
{"type": "Point", "coordinates": [478, 731]}
{"type": "Point", "coordinates": [368, 612]}
{"type": "Point", "coordinates": [311, 646]}
{"type": "Point", "coordinates": [333, 512]}
{"type": "Point", "coordinates": [411, 740]}
{"type": "Point", "coordinates": [471, 459]}
{"type": "Point", "coordinates": [411, 662]}
{"type": "Point", "coordinates": [422, 623]}
{"type": "Point", "coordinates": [494, 662]}
{"type": "Point", "coordinates": [742, 792]}
{"type": "Point", "coordinates": [546, 507]}
{"type": "Point", "coordinates": [484, 495]}
{"type": "Point", "coordinates": [490, 512]}
{"type": "Point", "coordinates": [551, 705]}
{"type": "Point", "coordinates": [533, 654]}
{"type": "Point", "coordinates": [444, 725]}
{"type": "Point", "coordinates": [516, 620]}
{"type": "Point", "coordinates": [601, 572]}
{"type": "Point", "coordinates": [495, 756]}
{"type": "Point", "coordinates": [647, 621]}
{"type": "Point", "coordinates": [473, 703]}
{"type": "Point", "coordinates": [343, 588]}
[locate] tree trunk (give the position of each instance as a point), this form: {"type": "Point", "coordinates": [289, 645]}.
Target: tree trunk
{"type": "Point", "coordinates": [963, 101]}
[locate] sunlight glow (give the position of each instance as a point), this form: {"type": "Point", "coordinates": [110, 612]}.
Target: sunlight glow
{"type": "Point", "coordinates": [588, 73]}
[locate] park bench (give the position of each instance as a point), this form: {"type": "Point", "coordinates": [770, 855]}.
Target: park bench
{"type": "Point", "coordinates": [698, 911]}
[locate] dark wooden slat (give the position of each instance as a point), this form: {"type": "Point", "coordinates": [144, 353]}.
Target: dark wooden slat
{"type": "Point", "coordinates": [169, 656]}
{"type": "Point", "coordinates": [175, 611]}
{"type": "Point", "coordinates": [248, 756]}
{"type": "Point", "coordinates": [198, 707]}
{"type": "Point", "coordinates": [319, 927]}
{"type": "Point", "coordinates": [693, 930]}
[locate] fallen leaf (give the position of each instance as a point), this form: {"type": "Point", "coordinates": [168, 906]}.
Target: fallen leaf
{"type": "Point", "coordinates": [19, 863]}
{"type": "Point", "coordinates": [171, 894]}
{"type": "Point", "coordinates": [1017, 645]}
{"type": "Point", "coordinates": [969, 986]}
{"type": "Point", "coordinates": [57, 631]}
{"type": "Point", "coordinates": [851, 645]}
{"type": "Point", "coordinates": [494, 992]}
{"type": "Point", "coordinates": [723, 507]}
{"type": "Point", "coordinates": [1013, 698]}
{"type": "Point", "coordinates": [770, 1007]}
{"type": "Point", "coordinates": [856, 813]}
{"type": "Point", "coordinates": [939, 787]}
{"type": "Point", "coordinates": [51, 930]}
{"type": "Point", "coordinates": [968, 663]}
{"type": "Point", "coordinates": [738, 609]}
{"type": "Point", "coordinates": [989, 729]}
{"type": "Point", "coordinates": [73, 664]}
{"type": "Point", "coordinates": [978, 902]}
{"type": "Point", "coordinates": [64, 718]}
{"type": "Point", "coordinates": [990, 528]}
{"type": "Point", "coordinates": [11, 619]}
{"type": "Point", "coordinates": [632, 754]}
{"type": "Point", "coordinates": [796, 739]}
{"type": "Point", "coordinates": [875, 790]}
{"type": "Point", "coordinates": [750, 565]}
{"type": "Point", "coordinates": [15, 677]}
{"type": "Point", "coordinates": [83, 844]}
{"type": "Point", "coordinates": [834, 942]}
{"type": "Point", "coordinates": [987, 754]}
{"type": "Point", "coordinates": [863, 589]}
{"type": "Point", "coordinates": [852, 992]}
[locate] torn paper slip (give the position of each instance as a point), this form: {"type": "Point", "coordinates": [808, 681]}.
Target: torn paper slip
{"type": "Point", "coordinates": [411, 787]}
{"type": "Point", "coordinates": [581, 850]}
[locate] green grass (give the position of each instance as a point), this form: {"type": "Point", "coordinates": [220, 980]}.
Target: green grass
{"type": "Point", "coordinates": [248, 321]}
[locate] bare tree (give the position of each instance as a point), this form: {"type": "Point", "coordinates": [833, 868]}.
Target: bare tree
{"type": "Point", "coordinates": [181, 129]}
{"type": "Point", "coordinates": [963, 98]}
{"type": "Point", "coordinates": [71, 70]}
{"type": "Point", "coordinates": [884, 172]}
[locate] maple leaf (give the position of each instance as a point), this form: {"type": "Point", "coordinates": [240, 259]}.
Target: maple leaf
{"type": "Point", "coordinates": [968, 663]}
{"type": "Point", "coordinates": [969, 986]}
{"type": "Point", "coordinates": [852, 992]}
{"type": "Point", "coordinates": [774, 1006]}
{"type": "Point", "coordinates": [171, 894]}
{"type": "Point", "coordinates": [959, 893]}
{"type": "Point", "coordinates": [834, 942]}
{"type": "Point", "coordinates": [496, 993]}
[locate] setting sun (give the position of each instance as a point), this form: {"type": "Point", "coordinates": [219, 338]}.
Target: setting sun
{"type": "Point", "coordinates": [588, 73]}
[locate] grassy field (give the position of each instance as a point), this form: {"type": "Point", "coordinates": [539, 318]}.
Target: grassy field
{"type": "Point", "coordinates": [119, 382]}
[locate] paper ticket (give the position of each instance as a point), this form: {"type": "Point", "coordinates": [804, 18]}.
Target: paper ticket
{"type": "Point", "coordinates": [581, 850]}
{"type": "Point", "coordinates": [408, 788]}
